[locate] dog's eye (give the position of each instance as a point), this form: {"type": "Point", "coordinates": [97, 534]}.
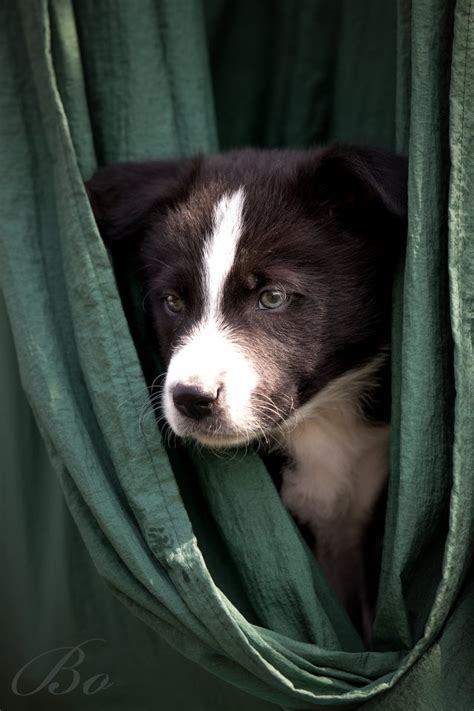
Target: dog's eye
{"type": "Point", "coordinates": [272, 299]}
{"type": "Point", "coordinates": [173, 303]}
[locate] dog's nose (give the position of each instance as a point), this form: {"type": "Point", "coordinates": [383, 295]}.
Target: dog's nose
{"type": "Point", "coordinates": [193, 402]}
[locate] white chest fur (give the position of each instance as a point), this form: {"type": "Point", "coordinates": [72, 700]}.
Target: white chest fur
{"type": "Point", "coordinates": [338, 464]}
{"type": "Point", "coordinates": [338, 467]}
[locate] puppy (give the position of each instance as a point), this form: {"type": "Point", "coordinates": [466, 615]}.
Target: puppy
{"type": "Point", "coordinates": [269, 277]}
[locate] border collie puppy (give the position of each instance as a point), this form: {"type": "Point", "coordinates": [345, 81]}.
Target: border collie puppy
{"type": "Point", "coordinates": [269, 275]}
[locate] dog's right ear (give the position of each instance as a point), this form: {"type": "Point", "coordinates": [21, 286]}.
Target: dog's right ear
{"type": "Point", "coordinates": [124, 195]}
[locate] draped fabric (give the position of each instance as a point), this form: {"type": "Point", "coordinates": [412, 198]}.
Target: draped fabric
{"type": "Point", "coordinates": [199, 548]}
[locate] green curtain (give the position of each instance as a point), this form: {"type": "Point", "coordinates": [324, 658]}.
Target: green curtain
{"type": "Point", "coordinates": [199, 549]}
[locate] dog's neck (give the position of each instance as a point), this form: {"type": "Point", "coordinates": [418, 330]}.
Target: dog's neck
{"type": "Point", "coordinates": [337, 466]}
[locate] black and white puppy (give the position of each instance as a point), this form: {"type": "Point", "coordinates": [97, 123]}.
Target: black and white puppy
{"type": "Point", "coordinates": [269, 275]}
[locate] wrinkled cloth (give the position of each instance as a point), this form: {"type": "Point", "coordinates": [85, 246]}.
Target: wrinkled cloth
{"type": "Point", "coordinates": [200, 547]}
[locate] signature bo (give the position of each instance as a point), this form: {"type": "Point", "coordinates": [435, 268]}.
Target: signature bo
{"type": "Point", "coordinates": [64, 675]}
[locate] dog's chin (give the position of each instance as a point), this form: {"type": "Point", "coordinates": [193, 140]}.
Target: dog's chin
{"type": "Point", "coordinates": [222, 441]}
{"type": "Point", "coordinates": [268, 433]}
{"type": "Point", "coordinates": [225, 436]}
{"type": "Point", "coordinates": [211, 440]}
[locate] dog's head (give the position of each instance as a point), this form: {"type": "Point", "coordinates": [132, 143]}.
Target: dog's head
{"type": "Point", "coordinates": [268, 275]}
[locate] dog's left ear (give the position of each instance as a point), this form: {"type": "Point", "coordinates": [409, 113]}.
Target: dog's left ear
{"type": "Point", "coordinates": [124, 195]}
{"type": "Point", "coordinates": [360, 185]}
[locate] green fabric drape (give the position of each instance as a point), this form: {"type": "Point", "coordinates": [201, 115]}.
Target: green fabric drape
{"type": "Point", "coordinates": [198, 547]}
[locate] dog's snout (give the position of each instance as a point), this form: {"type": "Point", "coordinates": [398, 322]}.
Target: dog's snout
{"type": "Point", "coordinates": [194, 402]}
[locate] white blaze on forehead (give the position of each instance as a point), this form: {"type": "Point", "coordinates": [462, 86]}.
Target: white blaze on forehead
{"type": "Point", "coordinates": [221, 247]}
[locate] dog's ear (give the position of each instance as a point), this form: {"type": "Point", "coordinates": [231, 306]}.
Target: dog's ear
{"type": "Point", "coordinates": [124, 195]}
{"type": "Point", "coordinates": [362, 186]}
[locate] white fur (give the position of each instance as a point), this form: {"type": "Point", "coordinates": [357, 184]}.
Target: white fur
{"type": "Point", "coordinates": [339, 464]}
{"type": "Point", "coordinates": [210, 359]}
{"type": "Point", "coordinates": [221, 247]}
